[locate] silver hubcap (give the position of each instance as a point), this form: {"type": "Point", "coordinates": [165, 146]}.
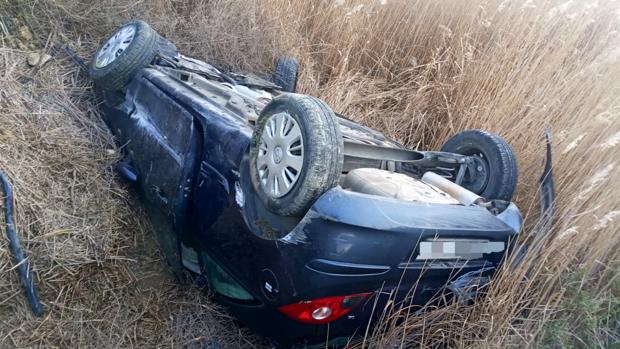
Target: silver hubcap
{"type": "Point", "coordinates": [115, 45]}
{"type": "Point", "coordinates": [280, 155]}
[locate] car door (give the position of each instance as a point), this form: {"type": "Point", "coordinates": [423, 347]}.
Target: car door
{"type": "Point", "coordinates": [162, 145]}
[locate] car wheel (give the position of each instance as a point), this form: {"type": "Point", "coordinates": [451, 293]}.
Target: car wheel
{"type": "Point", "coordinates": [285, 74]}
{"type": "Point", "coordinates": [129, 49]}
{"type": "Point", "coordinates": [296, 153]}
{"type": "Point", "coordinates": [495, 164]}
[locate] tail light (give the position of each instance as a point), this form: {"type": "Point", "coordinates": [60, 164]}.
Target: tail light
{"type": "Point", "coordinates": [323, 310]}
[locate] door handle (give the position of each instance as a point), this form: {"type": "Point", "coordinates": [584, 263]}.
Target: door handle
{"type": "Point", "coordinates": [127, 171]}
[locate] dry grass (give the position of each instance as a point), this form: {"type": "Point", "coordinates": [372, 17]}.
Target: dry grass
{"type": "Point", "coordinates": [419, 71]}
{"type": "Point", "coordinates": [101, 278]}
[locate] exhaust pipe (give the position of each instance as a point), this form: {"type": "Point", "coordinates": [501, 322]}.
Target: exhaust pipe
{"type": "Point", "coordinates": [461, 194]}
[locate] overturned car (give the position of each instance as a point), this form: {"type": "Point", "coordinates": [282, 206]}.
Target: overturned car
{"type": "Point", "coordinates": [302, 222]}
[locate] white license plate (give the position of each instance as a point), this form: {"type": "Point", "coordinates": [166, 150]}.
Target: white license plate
{"type": "Point", "coordinates": [458, 248]}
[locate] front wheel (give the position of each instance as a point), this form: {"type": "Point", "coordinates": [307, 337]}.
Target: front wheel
{"type": "Point", "coordinates": [129, 49]}
{"type": "Point", "coordinates": [285, 74]}
{"type": "Point", "coordinates": [126, 51]}
{"type": "Point", "coordinates": [296, 153]}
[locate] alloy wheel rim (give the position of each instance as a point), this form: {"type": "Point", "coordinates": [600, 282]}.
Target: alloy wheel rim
{"type": "Point", "coordinates": [280, 155]}
{"type": "Point", "coordinates": [115, 46]}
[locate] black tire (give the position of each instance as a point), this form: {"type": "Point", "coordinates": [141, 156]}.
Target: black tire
{"type": "Point", "coordinates": [141, 51]}
{"type": "Point", "coordinates": [498, 178]}
{"type": "Point", "coordinates": [322, 152]}
{"type": "Point", "coordinates": [285, 74]}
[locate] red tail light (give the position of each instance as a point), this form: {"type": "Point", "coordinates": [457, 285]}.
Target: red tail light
{"type": "Point", "coordinates": [323, 310]}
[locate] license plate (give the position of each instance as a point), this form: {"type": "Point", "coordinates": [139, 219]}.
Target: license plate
{"type": "Point", "coordinates": [458, 248]}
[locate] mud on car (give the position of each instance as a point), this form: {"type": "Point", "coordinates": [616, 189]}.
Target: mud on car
{"type": "Point", "coordinates": [302, 222]}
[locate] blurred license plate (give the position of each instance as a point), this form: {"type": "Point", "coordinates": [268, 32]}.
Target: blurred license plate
{"type": "Point", "coordinates": [458, 248]}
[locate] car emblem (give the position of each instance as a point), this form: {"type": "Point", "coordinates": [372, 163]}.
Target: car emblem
{"type": "Point", "coordinates": [277, 155]}
{"type": "Point", "coordinates": [270, 284]}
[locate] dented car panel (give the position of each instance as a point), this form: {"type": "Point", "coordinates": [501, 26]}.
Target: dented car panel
{"type": "Point", "coordinates": [189, 152]}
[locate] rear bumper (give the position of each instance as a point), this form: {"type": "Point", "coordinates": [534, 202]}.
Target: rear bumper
{"type": "Point", "coordinates": [349, 240]}
{"type": "Point", "coordinates": [285, 332]}
{"type": "Point", "coordinates": [351, 243]}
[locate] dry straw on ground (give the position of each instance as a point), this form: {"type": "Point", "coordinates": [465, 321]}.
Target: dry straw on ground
{"type": "Point", "coordinates": [102, 280]}
{"type": "Point", "coordinates": [418, 70]}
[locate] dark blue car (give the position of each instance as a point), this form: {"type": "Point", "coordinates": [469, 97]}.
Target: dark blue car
{"type": "Point", "coordinates": [301, 221]}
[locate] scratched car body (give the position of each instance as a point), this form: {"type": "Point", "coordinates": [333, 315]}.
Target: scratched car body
{"type": "Point", "coordinates": [386, 220]}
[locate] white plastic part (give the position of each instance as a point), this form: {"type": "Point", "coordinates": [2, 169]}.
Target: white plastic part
{"type": "Point", "coordinates": [395, 185]}
{"type": "Point", "coordinates": [461, 194]}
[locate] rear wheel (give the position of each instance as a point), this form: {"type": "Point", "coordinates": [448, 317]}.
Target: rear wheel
{"type": "Point", "coordinates": [296, 153]}
{"type": "Point", "coordinates": [495, 166]}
